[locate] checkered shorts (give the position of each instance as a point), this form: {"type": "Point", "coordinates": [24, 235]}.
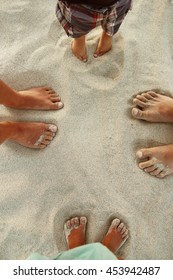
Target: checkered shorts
{"type": "Point", "coordinates": [79, 19]}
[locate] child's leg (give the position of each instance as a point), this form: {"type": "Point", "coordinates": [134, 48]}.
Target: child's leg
{"type": "Point", "coordinates": [77, 21]}
{"type": "Point", "coordinates": [79, 48]}
{"type": "Point", "coordinates": [110, 24]}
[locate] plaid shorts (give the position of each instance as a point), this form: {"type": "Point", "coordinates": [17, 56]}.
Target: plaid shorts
{"type": "Point", "coordinates": [78, 19]}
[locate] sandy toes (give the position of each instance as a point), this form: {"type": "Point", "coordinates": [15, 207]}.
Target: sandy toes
{"type": "Point", "coordinates": [153, 107]}
{"type": "Point", "coordinates": [157, 161]}
{"type": "Point", "coordinates": [75, 230]}
{"type": "Point", "coordinates": [32, 135]}
{"type": "Point", "coordinates": [116, 235]}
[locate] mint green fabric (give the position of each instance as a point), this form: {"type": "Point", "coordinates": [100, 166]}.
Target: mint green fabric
{"type": "Point", "coordinates": [93, 251]}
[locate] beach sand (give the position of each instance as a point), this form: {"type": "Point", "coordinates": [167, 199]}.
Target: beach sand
{"type": "Point", "coordinates": [90, 167]}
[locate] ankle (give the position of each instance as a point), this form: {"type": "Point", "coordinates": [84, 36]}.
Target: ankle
{"type": "Point", "coordinates": [14, 100]}
{"type": "Point", "coordinates": [8, 130]}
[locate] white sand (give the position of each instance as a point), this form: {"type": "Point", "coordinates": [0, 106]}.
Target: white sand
{"type": "Point", "coordinates": [89, 169]}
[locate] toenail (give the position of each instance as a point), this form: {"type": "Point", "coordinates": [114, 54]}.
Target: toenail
{"type": "Point", "coordinates": [60, 105]}
{"type": "Point", "coordinates": [83, 220]}
{"type": "Point", "coordinates": [139, 154]}
{"type": "Point", "coordinates": [135, 111]}
{"type": "Point", "coordinates": [52, 128]}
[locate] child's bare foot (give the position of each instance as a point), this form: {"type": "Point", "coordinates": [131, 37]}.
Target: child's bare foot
{"type": "Point", "coordinates": [75, 230]}
{"type": "Point", "coordinates": [157, 161]}
{"type": "Point", "coordinates": [31, 135]}
{"type": "Point", "coordinates": [116, 235]}
{"type": "Point", "coordinates": [153, 107]}
{"type": "Point", "coordinates": [79, 48]}
{"type": "Point", "coordinates": [40, 98]}
{"type": "Point", "coordinates": [104, 45]}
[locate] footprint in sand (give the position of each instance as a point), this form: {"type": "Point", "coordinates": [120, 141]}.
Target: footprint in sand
{"type": "Point", "coordinates": [101, 72]}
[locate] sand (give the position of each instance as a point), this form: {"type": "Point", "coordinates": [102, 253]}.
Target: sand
{"type": "Point", "coordinates": [90, 167]}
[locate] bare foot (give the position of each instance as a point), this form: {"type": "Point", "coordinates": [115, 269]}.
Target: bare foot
{"type": "Point", "coordinates": [32, 135]}
{"type": "Point", "coordinates": [40, 98]}
{"type": "Point", "coordinates": [157, 161]}
{"type": "Point", "coordinates": [79, 48]}
{"type": "Point", "coordinates": [104, 45]}
{"type": "Point", "coordinates": [153, 107]}
{"type": "Point", "coordinates": [116, 235]}
{"type": "Point", "coordinates": [75, 230]}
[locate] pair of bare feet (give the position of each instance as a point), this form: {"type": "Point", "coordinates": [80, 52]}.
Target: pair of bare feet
{"type": "Point", "coordinates": [35, 135]}
{"type": "Point", "coordinates": [80, 51]}
{"type": "Point", "coordinates": [154, 107]}
{"type": "Point", "coordinates": [75, 232]}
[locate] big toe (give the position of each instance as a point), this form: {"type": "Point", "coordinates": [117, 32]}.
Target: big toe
{"type": "Point", "coordinates": [143, 153]}
{"type": "Point", "coordinates": [83, 221]}
{"type": "Point", "coordinates": [138, 114]}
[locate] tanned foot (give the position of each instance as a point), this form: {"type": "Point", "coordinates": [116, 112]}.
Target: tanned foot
{"type": "Point", "coordinates": [153, 107]}
{"type": "Point", "coordinates": [32, 135]}
{"type": "Point", "coordinates": [116, 235]}
{"type": "Point", "coordinates": [104, 45]}
{"type": "Point", "coordinates": [79, 48]}
{"type": "Point", "coordinates": [40, 98]}
{"type": "Point", "coordinates": [157, 161]}
{"type": "Point", "coordinates": [75, 230]}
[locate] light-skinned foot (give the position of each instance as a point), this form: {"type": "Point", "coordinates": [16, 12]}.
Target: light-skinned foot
{"type": "Point", "coordinates": [33, 135]}
{"type": "Point", "coordinates": [157, 161]}
{"type": "Point", "coordinates": [116, 235]}
{"type": "Point", "coordinates": [40, 98]}
{"type": "Point", "coordinates": [104, 45]}
{"type": "Point", "coordinates": [75, 232]}
{"type": "Point", "coordinates": [153, 107]}
{"type": "Point", "coordinates": [79, 48]}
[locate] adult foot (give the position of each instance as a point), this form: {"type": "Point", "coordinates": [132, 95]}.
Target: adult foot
{"type": "Point", "coordinates": [104, 45]}
{"type": "Point", "coordinates": [116, 235]}
{"type": "Point", "coordinates": [153, 107]}
{"type": "Point", "coordinates": [31, 135]}
{"type": "Point", "coordinates": [40, 98]}
{"type": "Point", "coordinates": [79, 48]}
{"type": "Point", "coordinates": [157, 161]}
{"type": "Point", "coordinates": [75, 230]}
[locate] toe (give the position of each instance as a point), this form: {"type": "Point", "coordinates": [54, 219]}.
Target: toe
{"type": "Point", "coordinates": [41, 146]}
{"type": "Point", "coordinates": [125, 234]}
{"type": "Point", "coordinates": [141, 98]}
{"type": "Point", "coordinates": [120, 227]}
{"type": "Point", "coordinates": [123, 229]}
{"type": "Point", "coordinates": [146, 95]}
{"type": "Point", "coordinates": [156, 172]}
{"type": "Point", "coordinates": [83, 220]}
{"type": "Point", "coordinates": [52, 128]}
{"type": "Point", "coordinates": [55, 99]}
{"type": "Point", "coordinates": [143, 153]}
{"type": "Point", "coordinates": [149, 95]}
{"type": "Point", "coordinates": [45, 142]}
{"type": "Point", "coordinates": [76, 222]}
{"type": "Point", "coordinates": [162, 174]}
{"type": "Point", "coordinates": [49, 138]}
{"type": "Point", "coordinates": [149, 169]}
{"type": "Point", "coordinates": [67, 225]}
{"type": "Point", "coordinates": [145, 164]}
{"type": "Point", "coordinates": [115, 223]}
{"type": "Point", "coordinates": [138, 114]}
{"type": "Point", "coordinates": [56, 105]}
{"type": "Point", "coordinates": [140, 103]}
